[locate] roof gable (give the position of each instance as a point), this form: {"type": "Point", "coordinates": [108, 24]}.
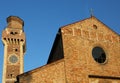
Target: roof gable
{"type": "Point", "coordinates": [91, 28]}
{"type": "Point", "coordinates": [90, 23]}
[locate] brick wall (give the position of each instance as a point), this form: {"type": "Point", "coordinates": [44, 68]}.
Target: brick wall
{"type": "Point", "coordinates": [51, 73]}
{"type": "Point", "coordinates": [78, 41]}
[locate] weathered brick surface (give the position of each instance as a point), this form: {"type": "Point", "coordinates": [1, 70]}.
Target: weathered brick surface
{"type": "Point", "coordinates": [51, 73]}
{"type": "Point", "coordinates": [79, 62]}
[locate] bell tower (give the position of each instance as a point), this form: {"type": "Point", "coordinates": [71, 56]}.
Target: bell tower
{"type": "Point", "coordinates": [14, 42]}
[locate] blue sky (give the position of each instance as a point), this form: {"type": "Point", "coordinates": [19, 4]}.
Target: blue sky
{"type": "Point", "coordinates": [43, 18]}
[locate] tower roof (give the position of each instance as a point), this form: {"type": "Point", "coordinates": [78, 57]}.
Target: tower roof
{"type": "Point", "coordinates": [15, 18]}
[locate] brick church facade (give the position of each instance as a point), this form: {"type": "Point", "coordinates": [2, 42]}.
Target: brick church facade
{"type": "Point", "coordinates": [72, 58]}
{"type": "Point", "coordinates": [86, 51]}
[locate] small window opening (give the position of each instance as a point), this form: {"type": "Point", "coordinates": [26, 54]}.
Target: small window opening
{"type": "Point", "coordinates": [14, 39]}
{"type": "Point", "coordinates": [22, 40]}
{"type": "Point", "coordinates": [12, 33]}
{"type": "Point", "coordinates": [94, 26]}
{"type": "Point", "coordinates": [18, 40]}
{"type": "Point", "coordinates": [16, 32]}
{"type": "Point", "coordinates": [16, 50]}
{"type": "Point", "coordinates": [11, 75]}
{"type": "Point", "coordinates": [4, 38]}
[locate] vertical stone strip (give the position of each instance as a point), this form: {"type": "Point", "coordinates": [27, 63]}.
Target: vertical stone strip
{"type": "Point", "coordinates": [5, 61]}
{"type": "Point", "coordinates": [21, 57]}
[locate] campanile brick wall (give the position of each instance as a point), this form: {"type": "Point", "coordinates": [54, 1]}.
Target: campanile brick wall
{"type": "Point", "coordinates": [13, 39]}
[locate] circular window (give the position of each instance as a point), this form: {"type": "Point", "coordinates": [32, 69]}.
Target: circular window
{"type": "Point", "coordinates": [99, 54]}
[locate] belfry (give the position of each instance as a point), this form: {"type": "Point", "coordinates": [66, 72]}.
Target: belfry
{"type": "Point", "coordinates": [13, 38]}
